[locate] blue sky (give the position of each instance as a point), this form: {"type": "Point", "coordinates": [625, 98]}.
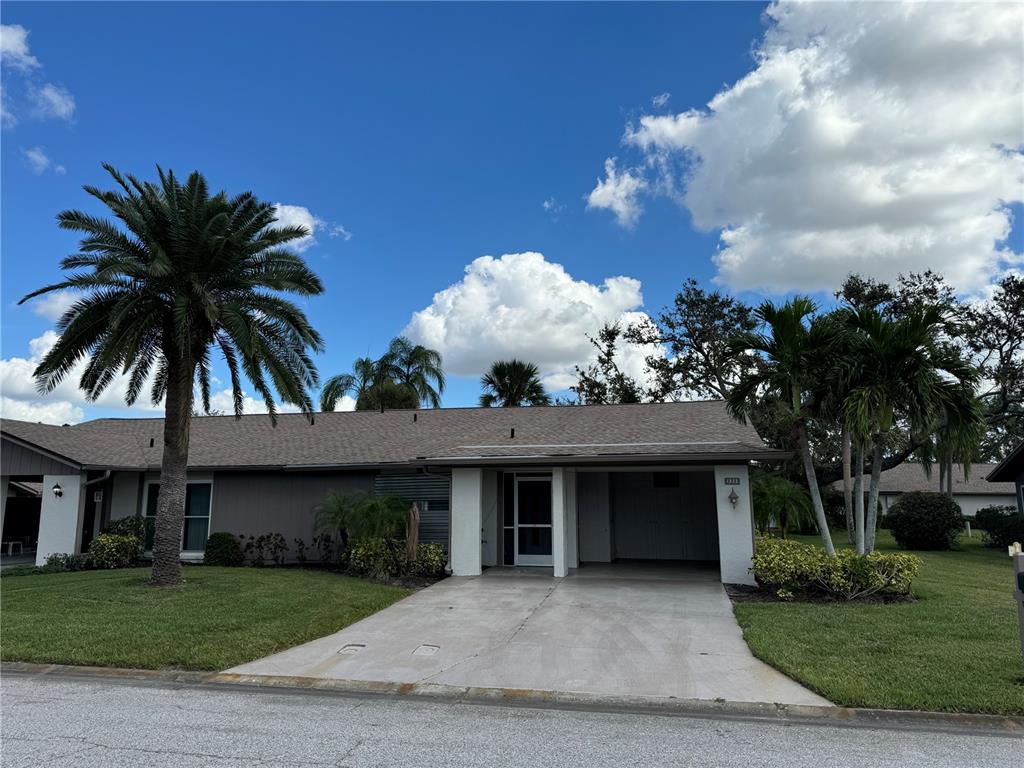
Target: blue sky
{"type": "Point", "coordinates": [433, 135]}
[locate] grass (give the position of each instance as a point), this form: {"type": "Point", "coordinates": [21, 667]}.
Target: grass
{"type": "Point", "coordinates": [218, 618]}
{"type": "Point", "coordinates": [956, 648]}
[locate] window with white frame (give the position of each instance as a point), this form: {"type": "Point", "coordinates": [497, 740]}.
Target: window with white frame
{"type": "Point", "coordinates": [197, 515]}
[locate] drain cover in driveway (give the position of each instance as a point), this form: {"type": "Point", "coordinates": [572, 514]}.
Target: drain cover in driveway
{"type": "Point", "coordinates": [351, 648]}
{"type": "Point", "coordinates": [426, 650]}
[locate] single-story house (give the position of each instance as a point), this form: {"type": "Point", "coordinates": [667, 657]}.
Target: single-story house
{"type": "Point", "coordinates": [971, 490]}
{"type": "Point", "coordinates": [1010, 471]}
{"type": "Point", "coordinates": [538, 486]}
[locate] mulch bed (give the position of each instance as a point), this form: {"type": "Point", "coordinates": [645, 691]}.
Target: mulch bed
{"type": "Point", "coordinates": [744, 593]}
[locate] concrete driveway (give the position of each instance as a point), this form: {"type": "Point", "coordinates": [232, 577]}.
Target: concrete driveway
{"type": "Point", "coordinates": [626, 630]}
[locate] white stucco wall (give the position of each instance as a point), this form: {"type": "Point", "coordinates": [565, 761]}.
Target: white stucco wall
{"type": "Point", "coordinates": [489, 523]}
{"type": "Point", "coordinates": [60, 518]}
{"type": "Point", "coordinates": [969, 503]}
{"type": "Point", "coordinates": [735, 525]}
{"type": "Point", "coordinates": [467, 521]}
{"type": "Point", "coordinates": [559, 523]}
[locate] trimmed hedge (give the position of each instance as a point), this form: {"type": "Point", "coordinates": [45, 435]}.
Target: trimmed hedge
{"type": "Point", "coordinates": [431, 561]}
{"type": "Point", "coordinates": [792, 569]}
{"type": "Point", "coordinates": [380, 558]}
{"type": "Point", "coordinates": [110, 550]}
{"type": "Point", "coordinates": [223, 549]}
{"type": "Point", "coordinates": [925, 520]}
{"type": "Point", "coordinates": [1001, 525]}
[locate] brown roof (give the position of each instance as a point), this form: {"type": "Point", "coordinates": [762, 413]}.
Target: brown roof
{"type": "Point", "coordinates": [692, 431]}
{"type": "Point", "coordinates": [908, 477]}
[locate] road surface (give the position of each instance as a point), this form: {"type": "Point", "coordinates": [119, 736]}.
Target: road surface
{"type": "Point", "coordinates": [54, 721]}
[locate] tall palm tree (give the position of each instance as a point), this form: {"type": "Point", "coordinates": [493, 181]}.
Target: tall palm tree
{"type": "Point", "coordinates": [418, 368]}
{"type": "Point", "coordinates": [184, 273]}
{"type": "Point", "coordinates": [904, 370]}
{"type": "Point", "coordinates": [794, 352]}
{"type": "Point", "coordinates": [359, 383]}
{"type": "Point", "coordinates": [511, 383]}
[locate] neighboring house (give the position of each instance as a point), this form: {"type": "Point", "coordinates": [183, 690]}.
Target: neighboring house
{"type": "Point", "coordinates": [544, 486]}
{"type": "Point", "coordinates": [1010, 471]}
{"type": "Point", "coordinates": [971, 492]}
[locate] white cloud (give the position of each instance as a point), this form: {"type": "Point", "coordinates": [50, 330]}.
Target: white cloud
{"type": "Point", "coordinates": [39, 162]}
{"type": "Point", "coordinates": [14, 48]}
{"type": "Point", "coordinates": [618, 192]}
{"type": "Point", "coordinates": [870, 137]}
{"type": "Point", "coordinates": [300, 216]}
{"type": "Point", "coordinates": [553, 207]}
{"type": "Point", "coordinates": [52, 101]}
{"type": "Point", "coordinates": [521, 305]}
{"type": "Point", "coordinates": [57, 412]}
{"type": "Point", "coordinates": [53, 305]}
{"type": "Point", "coordinates": [660, 100]}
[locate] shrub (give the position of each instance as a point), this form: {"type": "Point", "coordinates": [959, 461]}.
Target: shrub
{"type": "Point", "coordinates": [431, 561]}
{"type": "Point", "coordinates": [791, 569]}
{"type": "Point", "coordinates": [60, 562]}
{"type": "Point", "coordinates": [109, 550]}
{"type": "Point", "coordinates": [130, 526]}
{"type": "Point", "coordinates": [223, 549]}
{"type": "Point", "coordinates": [378, 558]}
{"type": "Point", "coordinates": [1001, 526]}
{"type": "Point", "coordinates": [925, 520]}
{"type": "Point", "coordinates": [300, 551]}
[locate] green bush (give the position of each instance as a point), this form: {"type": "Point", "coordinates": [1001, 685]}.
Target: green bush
{"type": "Point", "coordinates": [223, 549]}
{"type": "Point", "coordinates": [925, 520]}
{"type": "Point", "coordinates": [109, 550]}
{"type": "Point", "coordinates": [1001, 525]}
{"type": "Point", "coordinates": [431, 561]}
{"type": "Point", "coordinates": [130, 526]}
{"type": "Point", "coordinates": [792, 569]}
{"type": "Point", "coordinates": [60, 562]}
{"type": "Point", "coordinates": [377, 558]}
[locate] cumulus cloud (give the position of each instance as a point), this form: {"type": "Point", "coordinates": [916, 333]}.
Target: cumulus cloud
{"type": "Point", "coordinates": [870, 137]}
{"type": "Point", "coordinates": [39, 162]}
{"type": "Point", "coordinates": [619, 193]}
{"type": "Point", "coordinates": [52, 101]}
{"type": "Point", "coordinates": [53, 305]}
{"type": "Point", "coordinates": [300, 216]}
{"type": "Point", "coordinates": [57, 412]}
{"type": "Point", "coordinates": [14, 51]}
{"type": "Point", "coordinates": [521, 305]}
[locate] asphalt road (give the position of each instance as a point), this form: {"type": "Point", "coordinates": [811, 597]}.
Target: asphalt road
{"type": "Point", "coordinates": [55, 721]}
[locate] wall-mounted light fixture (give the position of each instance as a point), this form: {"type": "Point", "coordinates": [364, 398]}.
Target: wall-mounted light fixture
{"type": "Point", "coordinates": [733, 498]}
{"type": "Point", "coordinates": [57, 490]}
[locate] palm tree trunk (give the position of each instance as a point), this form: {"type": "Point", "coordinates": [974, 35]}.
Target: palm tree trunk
{"type": "Point", "coordinates": [412, 533]}
{"type": "Point", "coordinates": [851, 530]}
{"type": "Point", "coordinates": [858, 500]}
{"type": "Point", "coordinates": [170, 508]}
{"type": "Point", "coordinates": [812, 486]}
{"type": "Point", "coordinates": [871, 522]}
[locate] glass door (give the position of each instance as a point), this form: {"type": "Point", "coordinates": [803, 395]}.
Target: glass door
{"type": "Point", "coordinates": [533, 521]}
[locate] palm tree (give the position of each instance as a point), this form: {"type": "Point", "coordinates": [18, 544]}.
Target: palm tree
{"type": "Point", "coordinates": [405, 376]}
{"type": "Point", "coordinates": [782, 501]}
{"type": "Point", "coordinates": [511, 383]}
{"type": "Point", "coordinates": [418, 368]}
{"type": "Point", "coordinates": [793, 353]}
{"type": "Point", "coordinates": [184, 273]}
{"type": "Point", "coordinates": [904, 370]}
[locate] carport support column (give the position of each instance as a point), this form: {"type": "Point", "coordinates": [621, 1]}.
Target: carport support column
{"type": "Point", "coordinates": [5, 484]}
{"type": "Point", "coordinates": [735, 523]}
{"type": "Point", "coordinates": [60, 517]}
{"type": "Point", "coordinates": [467, 521]}
{"type": "Point", "coordinates": [559, 522]}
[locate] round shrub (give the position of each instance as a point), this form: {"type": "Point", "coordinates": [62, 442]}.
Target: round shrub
{"type": "Point", "coordinates": [431, 561]}
{"type": "Point", "coordinates": [130, 526]}
{"type": "Point", "coordinates": [223, 549]}
{"type": "Point", "coordinates": [109, 550]}
{"type": "Point", "coordinates": [377, 558]}
{"type": "Point", "coordinates": [923, 520]}
{"type": "Point", "coordinates": [1001, 525]}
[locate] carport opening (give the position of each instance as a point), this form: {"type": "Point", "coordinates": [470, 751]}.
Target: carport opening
{"type": "Point", "coordinates": [20, 537]}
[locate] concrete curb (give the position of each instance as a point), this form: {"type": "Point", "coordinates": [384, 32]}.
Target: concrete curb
{"type": "Point", "coordinates": [947, 722]}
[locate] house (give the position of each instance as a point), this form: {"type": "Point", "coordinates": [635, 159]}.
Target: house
{"type": "Point", "coordinates": [540, 486]}
{"type": "Point", "coordinates": [1010, 472]}
{"type": "Point", "coordinates": [971, 491]}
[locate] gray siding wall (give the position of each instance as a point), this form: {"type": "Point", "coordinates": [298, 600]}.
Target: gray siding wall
{"type": "Point", "coordinates": [432, 493]}
{"type": "Point", "coordinates": [594, 513]}
{"type": "Point", "coordinates": [16, 460]}
{"type": "Point", "coordinates": [124, 494]}
{"type": "Point", "coordinates": [664, 523]}
{"type": "Point", "coordinates": [254, 503]}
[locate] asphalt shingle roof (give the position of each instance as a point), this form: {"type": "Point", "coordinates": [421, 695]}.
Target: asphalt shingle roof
{"type": "Point", "coordinates": [692, 430]}
{"type": "Point", "coordinates": [912, 477]}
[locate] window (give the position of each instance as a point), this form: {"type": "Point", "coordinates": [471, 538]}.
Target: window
{"type": "Point", "coordinates": [197, 515]}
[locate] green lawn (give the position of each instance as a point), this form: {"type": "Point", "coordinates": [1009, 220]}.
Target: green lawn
{"type": "Point", "coordinates": [955, 649]}
{"type": "Point", "coordinates": [220, 616]}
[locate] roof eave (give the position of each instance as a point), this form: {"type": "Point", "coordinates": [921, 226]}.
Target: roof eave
{"type": "Point", "coordinates": [617, 459]}
{"type": "Point", "coordinates": [1001, 474]}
